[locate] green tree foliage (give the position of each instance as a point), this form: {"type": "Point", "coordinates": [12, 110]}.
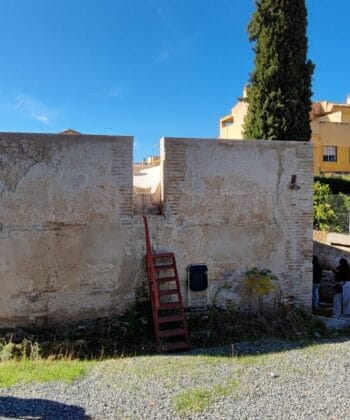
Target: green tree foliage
{"type": "Point", "coordinates": [331, 211]}
{"type": "Point", "coordinates": [324, 215]}
{"type": "Point", "coordinates": [279, 94]}
{"type": "Point", "coordinates": [341, 207]}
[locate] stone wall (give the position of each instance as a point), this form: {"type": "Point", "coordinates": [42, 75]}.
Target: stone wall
{"type": "Point", "coordinates": [329, 255]}
{"type": "Point", "coordinates": [71, 247]}
{"type": "Point", "coordinates": [65, 201]}
{"type": "Point", "coordinates": [228, 204]}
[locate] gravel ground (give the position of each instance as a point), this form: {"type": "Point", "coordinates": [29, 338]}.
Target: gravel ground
{"type": "Point", "coordinates": [284, 380]}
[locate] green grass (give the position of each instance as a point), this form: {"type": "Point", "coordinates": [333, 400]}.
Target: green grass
{"type": "Point", "coordinates": [172, 372]}
{"type": "Point", "coordinates": [192, 400]}
{"type": "Point", "coordinates": [197, 399]}
{"type": "Point", "coordinates": [25, 371]}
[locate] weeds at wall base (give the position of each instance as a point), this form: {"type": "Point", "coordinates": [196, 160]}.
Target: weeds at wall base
{"type": "Point", "coordinates": [132, 333]}
{"type": "Point", "coordinates": [129, 334]}
{"type": "Point", "coordinates": [223, 327]}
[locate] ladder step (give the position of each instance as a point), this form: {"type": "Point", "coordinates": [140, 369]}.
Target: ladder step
{"type": "Point", "coordinates": [172, 333]}
{"type": "Point", "coordinates": [171, 305]}
{"type": "Point", "coordinates": [170, 318]}
{"type": "Point", "coordinates": [163, 255]}
{"type": "Point", "coordinates": [168, 292]}
{"type": "Point", "coordinates": [178, 345]}
{"type": "Point", "coordinates": [165, 279]}
{"type": "Point", "coordinates": [164, 267]}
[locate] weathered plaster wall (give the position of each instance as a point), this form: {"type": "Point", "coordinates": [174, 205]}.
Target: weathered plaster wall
{"type": "Point", "coordinates": [63, 242]}
{"type": "Point", "coordinates": [71, 248]}
{"type": "Point", "coordinates": [229, 205]}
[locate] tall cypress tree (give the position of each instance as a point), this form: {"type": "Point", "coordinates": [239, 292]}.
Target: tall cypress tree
{"type": "Point", "coordinates": [279, 95]}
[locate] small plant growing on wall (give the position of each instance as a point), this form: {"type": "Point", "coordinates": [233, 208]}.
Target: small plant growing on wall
{"type": "Point", "coordinates": [257, 285]}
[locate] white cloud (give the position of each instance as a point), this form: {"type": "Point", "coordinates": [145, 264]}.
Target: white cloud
{"type": "Point", "coordinates": [161, 8]}
{"type": "Point", "coordinates": [43, 118]}
{"type": "Point", "coordinates": [163, 56]}
{"type": "Point", "coordinates": [112, 92]}
{"type": "Point", "coordinates": [19, 104]}
{"type": "Point", "coordinates": [34, 109]}
{"type": "Point", "coordinates": [116, 92]}
{"type": "Point", "coordinates": [175, 39]}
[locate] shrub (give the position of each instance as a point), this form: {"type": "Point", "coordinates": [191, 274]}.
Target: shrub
{"type": "Point", "coordinates": [324, 215]}
{"type": "Point", "coordinates": [337, 184]}
{"type": "Point", "coordinates": [257, 284]}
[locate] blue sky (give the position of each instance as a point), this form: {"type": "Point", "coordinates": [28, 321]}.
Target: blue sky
{"type": "Point", "coordinates": [147, 68]}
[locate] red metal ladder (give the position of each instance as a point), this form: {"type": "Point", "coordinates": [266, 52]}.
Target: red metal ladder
{"type": "Point", "coordinates": [167, 306]}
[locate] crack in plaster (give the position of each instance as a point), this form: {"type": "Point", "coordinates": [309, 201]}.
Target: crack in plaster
{"type": "Point", "coordinates": [16, 159]}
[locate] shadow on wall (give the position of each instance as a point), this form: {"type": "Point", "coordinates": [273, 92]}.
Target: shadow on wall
{"type": "Point", "coordinates": [39, 408]}
{"type": "Point", "coordinates": [329, 255]}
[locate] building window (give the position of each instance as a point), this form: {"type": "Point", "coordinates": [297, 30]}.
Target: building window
{"type": "Point", "coordinates": [329, 153]}
{"type": "Point", "coordinates": [226, 122]}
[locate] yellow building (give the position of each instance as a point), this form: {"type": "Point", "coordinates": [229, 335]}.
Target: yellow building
{"type": "Point", "coordinates": [330, 125]}
{"type": "Point", "coordinates": [231, 125]}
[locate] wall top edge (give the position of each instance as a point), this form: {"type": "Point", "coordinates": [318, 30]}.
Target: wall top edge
{"type": "Point", "coordinates": [233, 142]}
{"type": "Point", "coordinates": [18, 136]}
